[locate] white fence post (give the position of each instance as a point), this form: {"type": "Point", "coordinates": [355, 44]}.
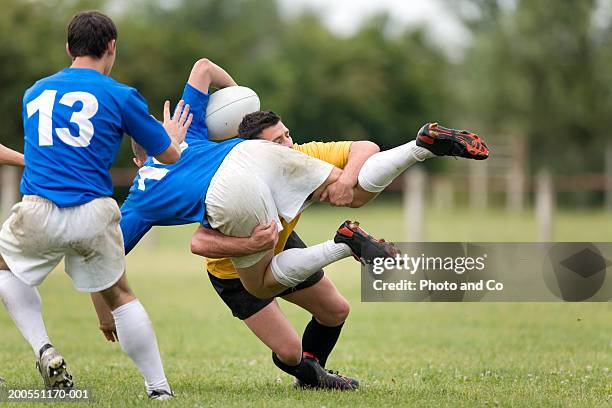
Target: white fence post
{"type": "Point", "coordinates": [443, 195]}
{"type": "Point", "coordinates": [609, 176]}
{"type": "Point", "coordinates": [515, 179]}
{"type": "Point", "coordinates": [414, 204]}
{"type": "Point", "coordinates": [545, 206]}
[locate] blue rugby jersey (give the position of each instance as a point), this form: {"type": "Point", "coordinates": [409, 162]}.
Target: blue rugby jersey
{"type": "Point", "coordinates": [175, 194]}
{"type": "Point", "coordinates": [73, 125]}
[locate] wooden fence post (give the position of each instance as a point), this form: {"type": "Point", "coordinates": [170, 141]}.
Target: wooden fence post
{"type": "Point", "coordinates": [414, 204]}
{"type": "Point", "coordinates": [545, 206]}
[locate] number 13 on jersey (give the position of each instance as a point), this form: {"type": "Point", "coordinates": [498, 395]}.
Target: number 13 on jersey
{"type": "Point", "coordinates": [44, 104]}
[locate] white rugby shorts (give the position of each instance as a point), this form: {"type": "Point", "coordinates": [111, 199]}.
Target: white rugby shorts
{"type": "Point", "coordinates": [259, 182]}
{"type": "Point", "coordinates": [38, 234]}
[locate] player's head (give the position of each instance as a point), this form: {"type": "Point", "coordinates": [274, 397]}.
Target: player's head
{"type": "Point", "coordinates": [265, 125]}
{"type": "Point", "coordinates": [140, 154]}
{"type": "Point", "coordinates": [94, 35]}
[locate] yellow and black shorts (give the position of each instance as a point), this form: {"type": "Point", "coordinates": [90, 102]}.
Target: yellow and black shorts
{"type": "Point", "coordinates": [244, 305]}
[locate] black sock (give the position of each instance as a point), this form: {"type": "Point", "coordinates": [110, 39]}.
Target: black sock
{"type": "Point", "coordinates": [320, 340]}
{"type": "Point", "coordinates": [302, 372]}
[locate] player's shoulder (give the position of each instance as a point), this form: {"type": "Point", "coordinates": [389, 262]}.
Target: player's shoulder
{"type": "Point", "coordinates": [44, 82]}
{"type": "Point", "coordinates": [91, 80]}
{"type": "Point", "coordinates": [306, 147]}
{"type": "Point", "coordinates": [315, 148]}
{"type": "Point", "coordinates": [119, 88]}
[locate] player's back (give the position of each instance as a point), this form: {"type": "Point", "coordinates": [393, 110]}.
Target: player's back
{"type": "Point", "coordinates": [73, 123]}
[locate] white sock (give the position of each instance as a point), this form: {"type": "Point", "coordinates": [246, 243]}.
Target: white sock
{"type": "Point", "coordinates": [384, 167]}
{"type": "Point", "coordinates": [137, 339]}
{"type": "Point", "coordinates": [293, 266]}
{"type": "Point", "coordinates": [24, 306]}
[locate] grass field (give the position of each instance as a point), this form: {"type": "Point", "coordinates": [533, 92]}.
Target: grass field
{"type": "Point", "coordinates": [405, 354]}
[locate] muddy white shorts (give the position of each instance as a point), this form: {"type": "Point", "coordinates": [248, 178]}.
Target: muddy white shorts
{"type": "Point", "coordinates": [259, 182]}
{"type": "Point", "coordinates": [38, 234]}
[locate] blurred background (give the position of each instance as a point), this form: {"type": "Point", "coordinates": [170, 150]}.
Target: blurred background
{"type": "Point", "coordinates": [533, 78]}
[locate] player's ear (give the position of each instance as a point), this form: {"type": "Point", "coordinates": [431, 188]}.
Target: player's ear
{"type": "Point", "coordinates": [138, 162]}
{"type": "Point", "coordinates": [68, 52]}
{"type": "Point", "coordinates": [111, 48]}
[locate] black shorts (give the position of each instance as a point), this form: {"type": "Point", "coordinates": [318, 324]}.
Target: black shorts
{"type": "Point", "coordinates": [244, 305]}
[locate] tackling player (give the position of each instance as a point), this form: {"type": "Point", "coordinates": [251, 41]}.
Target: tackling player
{"type": "Point", "coordinates": [74, 122]}
{"type": "Point", "coordinates": [316, 294]}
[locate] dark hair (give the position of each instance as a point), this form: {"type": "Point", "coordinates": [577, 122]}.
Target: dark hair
{"type": "Point", "coordinates": [254, 123]}
{"type": "Point", "coordinates": [89, 33]}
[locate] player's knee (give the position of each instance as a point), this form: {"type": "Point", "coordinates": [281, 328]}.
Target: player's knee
{"type": "Point", "coordinates": [336, 314]}
{"type": "Point", "coordinates": [290, 352]}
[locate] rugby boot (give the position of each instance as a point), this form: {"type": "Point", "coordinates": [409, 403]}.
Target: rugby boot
{"type": "Point", "coordinates": [365, 248]}
{"type": "Point", "coordinates": [52, 368]}
{"type": "Point", "coordinates": [326, 379]}
{"type": "Point", "coordinates": [160, 395]}
{"type": "Point", "coordinates": [443, 141]}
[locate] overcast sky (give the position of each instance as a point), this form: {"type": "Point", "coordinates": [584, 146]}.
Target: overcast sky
{"type": "Point", "coordinates": [344, 16]}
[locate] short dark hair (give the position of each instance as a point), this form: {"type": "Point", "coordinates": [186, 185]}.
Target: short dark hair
{"type": "Point", "coordinates": [89, 33]}
{"type": "Point", "coordinates": [254, 123]}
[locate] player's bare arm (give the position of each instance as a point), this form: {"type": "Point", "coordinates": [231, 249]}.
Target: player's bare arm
{"type": "Point", "coordinates": [213, 244]}
{"type": "Point", "coordinates": [206, 74]}
{"type": "Point", "coordinates": [105, 317]}
{"type": "Point", "coordinates": [11, 157]}
{"type": "Point", "coordinates": [345, 191]}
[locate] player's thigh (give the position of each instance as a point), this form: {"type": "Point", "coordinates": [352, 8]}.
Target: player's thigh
{"type": "Point", "coordinates": [235, 204]}
{"type": "Point", "coordinates": [31, 239]}
{"type": "Point", "coordinates": [258, 278]}
{"type": "Point", "coordinates": [271, 326]}
{"type": "Point", "coordinates": [95, 255]}
{"type": "Point", "coordinates": [323, 301]}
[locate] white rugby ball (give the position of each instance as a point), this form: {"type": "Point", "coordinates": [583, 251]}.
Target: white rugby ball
{"type": "Point", "coordinates": [225, 111]}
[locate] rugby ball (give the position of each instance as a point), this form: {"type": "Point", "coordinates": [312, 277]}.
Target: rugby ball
{"type": "Point", "coordinates": [225, 111]}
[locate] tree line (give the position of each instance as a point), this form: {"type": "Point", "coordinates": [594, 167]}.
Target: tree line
{"type": "Point", "coordinates": [533, 69]}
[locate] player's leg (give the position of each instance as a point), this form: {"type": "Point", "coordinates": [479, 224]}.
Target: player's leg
{"type": "Point", "coordinates": [27, 258]}
{"type": "Point", "coordinates": [272, 274]}
{"type": "Point", "coordinates": [274, 330]}
{"type": "Point", "coordinates": [432, 140]}
{"type": "Point", "coordinates": [329, 311]}
{"type": "Point", "coordinates": [267, 321]}
{"type": "Point", "coordinates": [24, 306]}
{"type": "Point", "coordinates": [96, 263]}
{"type": "Point", "coordinates": [137, 337]}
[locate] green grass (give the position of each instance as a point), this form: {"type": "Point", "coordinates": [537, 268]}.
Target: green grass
{"type": "Point", "coordinates": [405, 354]}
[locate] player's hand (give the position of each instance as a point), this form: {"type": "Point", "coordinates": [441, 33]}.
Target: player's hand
{"type": "Point", "coordinates": [110, 331]}
{"type": "Point", "coordinates": [177, 126]}
{"type": "Point", "coordinates": [263, 237]}
{"type": "Point", "coordinates": [339, 193]}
